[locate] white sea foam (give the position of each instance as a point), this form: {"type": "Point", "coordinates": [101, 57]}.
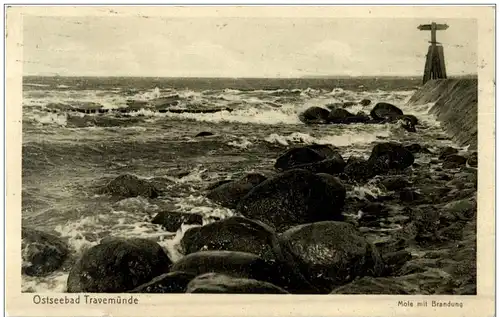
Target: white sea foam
{"type": "Point", "coordinates": [347, 138]}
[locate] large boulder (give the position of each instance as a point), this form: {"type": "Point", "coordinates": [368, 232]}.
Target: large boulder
{"type": "Point", "coordinates": [173, 282]}
{"type": "Point", "coordinates": [234, 264]}
{"type": "Point", "coordinates": [220, 283]}
{"type": "Point", "coordinates": [233, 234]}
{"type": "Point", "coordinates": [386, 111]}
{"type": "Point", "coordinates": [306, 155]}
{"type": "Point", "coordinates": [328, 166]}
{"type": "Point", "coordinates": [173, 220]}
{"type": "Point", "coordinates": [332, 253]}
{"type": "Point", "coordinates": [130, 186]}
{"type": "Point", "coordinates": [342, 116]}
{"type": "Point", "coordinates": [246, 235]}
{"type": "Point", "coordinates": [117, 265]}
{"type": "Point", "coordinates": [42, 253]}
{"type": "Point", "coordinates": [229, 194]}
{"type": "Point", "coordinates": [314, 115]}
{"type": "Point", "coordinates": [294, 197]}
{"type": "Point", "coordinates": [391, 155]}
{"type": "Point", "coordinates": [358, 169]}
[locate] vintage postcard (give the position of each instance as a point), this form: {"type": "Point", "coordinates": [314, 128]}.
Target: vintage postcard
{"type": "Point", "coordinates": [249, 161]}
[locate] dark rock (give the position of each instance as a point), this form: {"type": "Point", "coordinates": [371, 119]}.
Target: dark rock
{"type": "Point", "coordinates": [375, 209]}
{"type": "Point", "coordinates": [204, 133]}
{"type": "Point", "coordinates": [472, 160]}
{"type": "Point", "coordinates": [413, 148]}
{"type": "Point", "coordinates": [407, 124]}
{"type": "Point", "coordinates": [339, 116]}
{"type": "Point", "coordinates": [392, 154]}
{"type": "Point", "coordinates": [328, 151]}
{"type": "Point", "coordinates": [220, 283]}
{"type": "Point", "coordinates": [395, 183]}
{"type": "Point", "coordinates": [394, 261]}
{"type": "Point", "coordinates": [294, 197]}
{"type": "Point", "coordinates": [306, 155]}
{"type": "Point", "coordinates": [370, 286]}
{"type": "Point", "coordinates": [349, 103]}
{"type": "Point", "coordinates": [454, 161]}
{"type": "Point", "coordinates": [328, 166]}
{"type": "Point", "coordinates": [130, 186]}
{"type": "Point", "coordinates": [409, 195]}
{"type": "Point", "coordinates": [298, 156]}
{"type": "Point", "coordinates": [117, 265]}
{"type": "Point", "coordinates": [233, 234]}
{"type": "Point", "coordinates": [230, 193]}
{"type": "Point", "coordinates": [410, 118]}
{"type": "Point", "coordinates": [332, 253]}
{"type": "Point", "coordinates": [218, 183]}
{"type": "Point", "coordinates": [246, 235]}
{"type": "Point", "coordinates": [173, 282]}
{"type": "Point", "coordinates": [447, 151]}
{"type": "Point", "coordinates": [42, 253]}
{"type": "Point", "coordinates": [365, 102]}
{"type": "Point", "coordinates": [385, 111]}
{"type": "Point", "coordinates": [314, 115]}
{"type": "Point", "coordinates": [234, 264]}
{"type": "Point", "coordinates": [358, 169]}
{"type": "Point", "coordinates": [334, 105]}
{"type": "Point", "coordinates": [172, 220]}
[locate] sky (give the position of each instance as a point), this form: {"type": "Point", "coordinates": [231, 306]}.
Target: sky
{"type": "Point", "coordinates": [240, 47]}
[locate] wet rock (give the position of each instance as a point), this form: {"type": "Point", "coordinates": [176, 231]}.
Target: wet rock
{"type": "Point", "coordinates": [332, 253]}
{"type": "Point", "coordinates": [314, 115]}
{"type": "Point", "coordinates": [173, 282]}
{"type": "Point", "coordinates": [447, 151]}
{"type": "Point", "coordinates": [342, 116]}
{"type": "Point", "coordinates": [430, 282]}
{"type": "Point", "coordinates": [334, 105]}
{"type": "Point", "coordinates": [294, 197]}
{"type": "Point", "coordinates": [235, 264]}
{"type": "Point", "coordinates": [298, 156]}
{"type": "Point", "coordinates": [370, 286]}
{"type": "Point", "coordinates": [454, 161]}
{"type": "Point", "coordinates": [308, 154]}
{"type": "Point", "coordinates": [358, 169]}
{"type": "Point", "coordinates": [117, 265]}
{"type": "Point", "coordinates": [395, 183]}
{"type": "Point", "coordinates": [328, 166]}
{"type": "Point", "coordinates": [472, 159]}
{"type": "Point", "coordinates": [411, 119]}
{"type": "Point", "coordinates": [233, 234]}
{"type": "Point", "coordinates": [42, 253]}
{"type": "Point", "coordinates": [371, 214]}
{"type": "Point", "coordinates": [394, 155]}
{"type": "Point", "coordinates": [172, 221]}
{"type": "Point", "coordinates": [365, 102]}
{"type": "Point", "coordinates": [130, 186]}
{"type": "Point", "coordinates": [394, 261]}
{"type": "Point", "coordinates": [220, 283]}
{"type": "Point", "coordinates": [407, 124]}
{"type": "Point", "coordinates": [385, 111]}
{"type": "Point", "coordinates": [204, 133]}
{"type": "Point", "coordinates": [230, 193]}
{"type": "Point", "coordinates": [349, 103]}
{"type": "Point", "coordinates": [218, 183]}
{"type": "Point", "coordinates": [339, 115]}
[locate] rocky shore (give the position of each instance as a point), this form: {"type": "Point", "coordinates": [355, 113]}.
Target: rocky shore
{"type": "Point", "coordinates": [300, 230]}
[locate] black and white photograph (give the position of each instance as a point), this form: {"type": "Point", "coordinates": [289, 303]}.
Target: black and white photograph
{"type": "Point", "coordinates": [216, 154]}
